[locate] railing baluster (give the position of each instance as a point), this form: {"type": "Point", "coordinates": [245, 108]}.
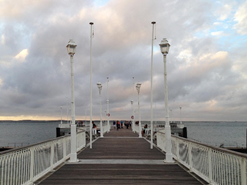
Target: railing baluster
{"type": "Point", "coordinates": [177, 145]}
{"type": "Point", "coordinates": [64, 148]}
{"type": "Point", "coordinates": [243, 171]}
{"type": "Point", "coordinates": [52, 156]}
{"type": "Point", "coordinates": [190, 157]}
{"type": "Point", "coordinates": [217, 165]}
{"type": "Point", "coordinates": [31, 164]}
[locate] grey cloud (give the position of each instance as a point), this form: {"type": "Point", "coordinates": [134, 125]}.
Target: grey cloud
{"type": "Point", "coordinates": [121, 50]}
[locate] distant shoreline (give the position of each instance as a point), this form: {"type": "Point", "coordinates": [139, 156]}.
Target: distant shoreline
{"type": "Point", "coordinates": [115, 120]}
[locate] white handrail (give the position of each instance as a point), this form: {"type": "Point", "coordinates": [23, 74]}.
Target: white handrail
{"type": "Point", "coordinates": [25, 165]}
{"type": "Point", "coordinates": [136, 128]}
{"type": "Point", "coordinates": [214, 165]}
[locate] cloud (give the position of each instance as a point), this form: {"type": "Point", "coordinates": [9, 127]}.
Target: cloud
{"type": "Point", "coordinates": [22, 55]}
{"type": "Point", "coordinates": [3, 39]}
{"type": "Point", "coordinates": [241, 19]}
{"type": "Point", "coordinates": [202, 75]}
{"type": "Point", "coordinates": [217, 33]}
{"type": "Point", "coordinates": [224, 12]}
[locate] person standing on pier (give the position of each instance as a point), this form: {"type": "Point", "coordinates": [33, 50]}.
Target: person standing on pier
{"type": "Point", "coordinates": [118, 125]}
{"type": "Point", "coordinates": [114, 124]}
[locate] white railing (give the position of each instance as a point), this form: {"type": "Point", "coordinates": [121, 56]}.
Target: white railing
{"type": "Point", "coordinates": [136, 128]}
{"type": "Point", "coordinates": [94, 130]}
{"type": "Point", "coordinates": [28, 164]}
{"type": "Point", "coordinates": [214, 165]}
{"type": "Point", "coordinates": [105, 128]}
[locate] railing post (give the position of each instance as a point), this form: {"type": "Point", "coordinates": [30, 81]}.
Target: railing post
{"type": "Point", "coordinates": [210, 170]}
{"type": "Point", "coordinates": [177, 149]}
{"type": "Point", "coordinates": [64, 148]}
{"type": "Point", "coordinates": [243, 171]}
{"type": "Point", "coordinates": [84, 139]}
{"type": "Point", "coordinates": [157, 138]}
{"type": "Point", "coordinates": [52, 156]}
{"type": "Point", "coordinates": [31, 165]}
{"type": "Point", "coordinates": [190, 157]}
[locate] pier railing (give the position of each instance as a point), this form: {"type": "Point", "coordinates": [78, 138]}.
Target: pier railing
{"type": "Point", "coordinates": [23, 166]}
{"type": "Point", "coordinates": [136, 128]}
{"type": "Point", "coordinates": [214, 165]}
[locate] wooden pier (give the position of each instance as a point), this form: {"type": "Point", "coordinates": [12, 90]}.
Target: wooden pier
{"type": "Point", "coordinates": [120, 157]}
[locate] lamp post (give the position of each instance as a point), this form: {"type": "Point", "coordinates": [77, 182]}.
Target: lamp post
{"type": "Point", "coordinates": [151, 116]}
{"type": "Point", "coordinates": [107, 102]}
{"type": "Point", "coordinates": [132, 103]}
{"type": "Point", "coordinates": [91, 91]}
{"type": "Point", "coordinates": [171, 114]}
{"type": "Point", "coordinates": [100, 88]}
{"type": "Point", "coordinates": [180, 115]}
{"type": "Point", "coordinates": [71, 47]}
{"type": "Point", "coordinates": [132, 117]}
{"type": "Point", "coordinates": [164, 47]}
{"type": "Point", "coordinates": [67, 115]}
{"type": "Point", "coordinates": [61, 108]}
{"type": "Point", "coordinates": [138, 86]}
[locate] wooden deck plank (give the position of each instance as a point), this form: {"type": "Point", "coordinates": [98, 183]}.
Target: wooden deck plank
{"type": "Point", "coordinates": [120, 174]}
{"type": "Point", "coordinates": [122, 144]}
{"type": "Point", "coordinates": [119, 148]}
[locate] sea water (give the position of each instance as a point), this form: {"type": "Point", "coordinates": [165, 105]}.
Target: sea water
{"type": "Point", "coordinates": [23, 133]}
{"type": "Point", "coordinates": [228, 134]}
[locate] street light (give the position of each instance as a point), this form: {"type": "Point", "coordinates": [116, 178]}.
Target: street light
{"type": "Point", "coordinates": [180, 115]}
{"type": "Point", "coordinates": [171, 114]}
{"type": "Point", "coordinates": [151, 116]}
{"type": "Point", "coordinates": [107, 102]}
{"type": "Point", "coordinates": [61, 108]}
{"type": "Point", "coordinates": [91, 91]}
{"type": "Point", "coordinates": [132, 104]}
{"type": "Point", "coordinates": [164, 47]}
{"type": "Point", "coordinates": [71, 47]}
{"type": "Point", "coordinates": [132, 117]}
{"type": "Point", "coordinates": [100, 88]}
{"type": "Point", "coordinates": [138, 86]}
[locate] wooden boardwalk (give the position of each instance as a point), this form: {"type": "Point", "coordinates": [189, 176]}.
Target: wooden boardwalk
{"type": "Point", "coordinates": [120, 158]}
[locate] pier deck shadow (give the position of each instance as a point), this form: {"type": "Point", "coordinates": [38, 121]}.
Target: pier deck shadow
{"type": "Point", "coordinates": [120, 157]}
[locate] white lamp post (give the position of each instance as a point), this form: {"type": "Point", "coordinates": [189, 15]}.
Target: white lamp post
{"type": "Point", "coordinates": [107, 102]}
{"type": "Point", "coordinates": [164, 47]}
{"type": "Point", "coordinates": [180, 115]}
{"type": "Point", "coordinates": [91, 91]}
{"type": "Point", "coordinates": [132, 104]}
{"type": "Point", "coordinates": [138, 86]}
{"type": "Point", "coordinates": [132, 117]}
{"type": "Point", "coordinates": [61, 108]}
{"type": "Point", "coordinates": [71, 47]}
{"type": "Point", "coordinates": [100, 88]}
{"type": "Point", "coordinates": [171, 114]}
{"type": "Point", "coordinates": [151, 119]}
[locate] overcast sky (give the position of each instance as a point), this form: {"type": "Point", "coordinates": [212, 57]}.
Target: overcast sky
{"type": "Point", "coordinates": [206, 65]}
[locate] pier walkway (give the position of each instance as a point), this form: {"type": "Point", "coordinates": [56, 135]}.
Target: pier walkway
{"type": "Point", "coordinates": [120, 157]}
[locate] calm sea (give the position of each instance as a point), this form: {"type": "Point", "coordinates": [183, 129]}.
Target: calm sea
{"type": "Point", "coordinates": [22, 133]}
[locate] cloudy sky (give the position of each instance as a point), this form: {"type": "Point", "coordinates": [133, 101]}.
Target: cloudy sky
{"type": "Point", "coordinates": [206, 65]}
